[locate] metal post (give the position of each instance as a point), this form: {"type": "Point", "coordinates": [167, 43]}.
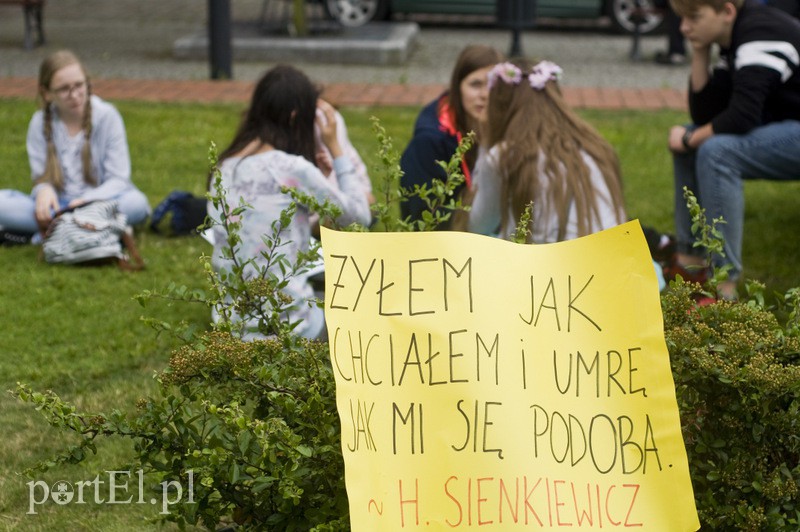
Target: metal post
{"type": "Point", "coordinates": [220, 49]}
{"type": "Point", "coordinates": [638, 18]}
{"type": "Point", "coordinates": [523, 14]}
{"type": "Point", "coordinates": [516, 28]}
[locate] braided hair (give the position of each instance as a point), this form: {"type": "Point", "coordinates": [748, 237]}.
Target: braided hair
{"type": "Point", "coordinates": [53, 173]}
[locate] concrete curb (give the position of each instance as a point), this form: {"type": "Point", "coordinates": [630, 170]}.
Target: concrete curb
{"type": "Point", "coordinates": [373, 44]}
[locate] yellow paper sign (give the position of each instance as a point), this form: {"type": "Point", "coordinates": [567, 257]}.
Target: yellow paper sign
{"type": "Point", "coordinates": [482, 383]}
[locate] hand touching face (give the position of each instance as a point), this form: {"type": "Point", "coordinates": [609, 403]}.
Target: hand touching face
{"type": "Point", "coordinates": [326, 122]}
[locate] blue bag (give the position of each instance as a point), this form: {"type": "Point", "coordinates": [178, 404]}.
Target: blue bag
{"type": "Point", "coordinates": [180, 213]}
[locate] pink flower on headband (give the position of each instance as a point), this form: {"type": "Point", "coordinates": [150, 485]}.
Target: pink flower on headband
{"type": "Point", "coordinates": [542, 73]}
{"type": "Point", "coordinates": [508, 72]}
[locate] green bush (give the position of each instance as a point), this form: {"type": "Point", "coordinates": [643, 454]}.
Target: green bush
{"type": "Point", "coordinates": [256, 426]}
{"type": "Point", "coordinates": [737, 381]}
{"type": "Point", "coordinates": [738, 385]}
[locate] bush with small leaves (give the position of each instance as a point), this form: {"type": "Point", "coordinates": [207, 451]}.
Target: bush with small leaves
{"type": "Point", "coordinates": [737, 376]}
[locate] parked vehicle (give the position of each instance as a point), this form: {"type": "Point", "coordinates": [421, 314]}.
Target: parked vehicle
{"type": "Point", "coordinates": [624, 14]}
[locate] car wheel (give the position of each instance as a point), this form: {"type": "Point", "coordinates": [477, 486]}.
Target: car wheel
{"type": "Point", "coordinates": [624, 15]}
{"type": "Point", "coordinates": [353, 13]}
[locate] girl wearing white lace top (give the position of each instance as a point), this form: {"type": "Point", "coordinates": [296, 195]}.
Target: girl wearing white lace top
{"type": "Point", "coordinates": [274, 148]}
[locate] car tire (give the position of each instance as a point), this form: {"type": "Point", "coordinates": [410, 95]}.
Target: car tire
{"type": "Point", "coordinates": [623, 12]}
{"type": "Point", "coordinates": [353, 13]}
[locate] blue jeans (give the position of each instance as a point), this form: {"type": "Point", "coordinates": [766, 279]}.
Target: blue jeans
{"type": "Point", "coordinates": [17, 209]}
{"type": "Point", "coordinates": [715, 173]}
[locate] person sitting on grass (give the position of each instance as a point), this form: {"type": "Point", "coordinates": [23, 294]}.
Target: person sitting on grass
{"type": "Point", "coordinates": [442, 124]}
{"type": "Point", "coordinates": [77, 149]}
{"type": "Point", "coordinates": [745, 115]}
{"type": "Point", "coordinates": [272, 149]}
{"type": "Point", "coordinates": [536, 149]}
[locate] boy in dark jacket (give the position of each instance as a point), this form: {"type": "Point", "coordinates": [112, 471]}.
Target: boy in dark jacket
{"type": "Point", "coordinates": [745, 113]}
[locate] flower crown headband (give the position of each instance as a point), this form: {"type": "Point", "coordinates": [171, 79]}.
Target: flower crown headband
{"type": "Point", "coordinates": [540, 74]}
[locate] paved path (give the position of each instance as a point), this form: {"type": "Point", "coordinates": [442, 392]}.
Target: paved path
{"type": "Point", "coordinates": [127, 44]}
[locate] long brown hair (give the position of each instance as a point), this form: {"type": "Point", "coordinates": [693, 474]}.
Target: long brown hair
{"type": "Point", "coordinates": [53, 174]}
{"type": "Point", "coordinates": [527, 123]}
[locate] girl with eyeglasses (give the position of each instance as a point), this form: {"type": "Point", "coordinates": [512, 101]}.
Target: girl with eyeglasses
{"type": "Point", "coordinates": [77, 150]}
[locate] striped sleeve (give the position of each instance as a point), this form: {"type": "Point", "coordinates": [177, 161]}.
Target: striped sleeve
{"type": "Point", "coordinates": [780, 56]}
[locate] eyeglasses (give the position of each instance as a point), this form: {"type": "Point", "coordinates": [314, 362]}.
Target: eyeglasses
{"type": "Point", "coordinates": [65, 91]}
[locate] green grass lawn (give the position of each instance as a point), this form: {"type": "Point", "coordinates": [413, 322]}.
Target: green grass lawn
{"type": "Point", "coordinates": [78, 331]}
